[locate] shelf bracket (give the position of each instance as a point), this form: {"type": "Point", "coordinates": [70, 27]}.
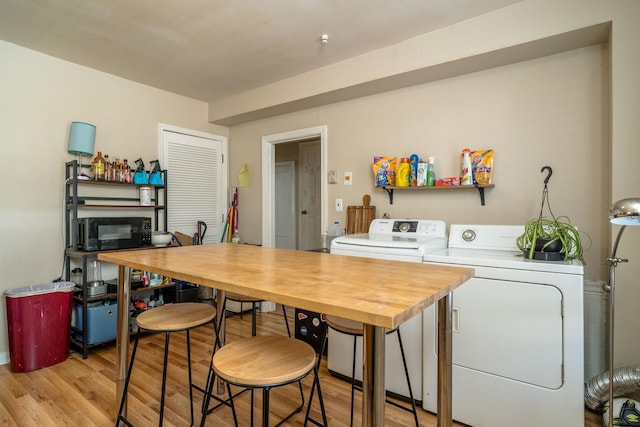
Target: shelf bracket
{"type": "Point", "coordinates": [481, 191]}
{"type": "Point", "coordinates": [390, 193]}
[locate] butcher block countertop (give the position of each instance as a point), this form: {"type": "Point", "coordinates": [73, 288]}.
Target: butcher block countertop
{"type": "Point", "coordinates": [376, 292]}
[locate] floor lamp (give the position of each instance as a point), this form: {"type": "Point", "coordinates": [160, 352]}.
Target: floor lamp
{"type": "Point", "coordinates": [623, 212]}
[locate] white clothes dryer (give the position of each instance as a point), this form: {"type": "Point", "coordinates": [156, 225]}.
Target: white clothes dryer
{"type": "Point", "coordinates": [518, 346]}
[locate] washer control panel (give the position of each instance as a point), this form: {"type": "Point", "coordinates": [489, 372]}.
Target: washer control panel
{"type": "Point", "coordinates": [493, 237]}
{"type": "Point", "coordinates": [408, 227]}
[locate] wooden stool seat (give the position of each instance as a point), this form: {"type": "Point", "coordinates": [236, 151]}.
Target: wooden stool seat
{"type": "Point", "coordinates": [350, 327]}
{"type": "Point", "coordinates": [176, 317]}
{"type": "Point", "coordinates": [264, 361]}
{"type": "Point", "coordinates": [346, 326]}
{"type": "Point", "coordinates": [242, 298]}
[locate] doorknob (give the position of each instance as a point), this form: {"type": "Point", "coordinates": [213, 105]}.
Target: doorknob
{"type": "Point", "coordinates": [304, 212]}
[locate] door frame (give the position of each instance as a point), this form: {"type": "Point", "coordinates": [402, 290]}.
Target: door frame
{"type": "Point", "coordinates": [268, 177]}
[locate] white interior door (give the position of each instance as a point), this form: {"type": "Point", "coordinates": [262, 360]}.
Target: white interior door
{"type": "Point", "coordinates": [196, 175]}
{"type": "Point", "coordinates": [285, 205]}
{"type": "Point", "coordinates": [310, 229]}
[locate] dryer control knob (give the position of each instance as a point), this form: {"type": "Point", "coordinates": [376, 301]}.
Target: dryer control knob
{"type": "Point", "coordinates": [468, 235]}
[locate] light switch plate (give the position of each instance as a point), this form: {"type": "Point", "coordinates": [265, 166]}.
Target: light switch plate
{"type": "Point", "coordinates": [339, 205]}
{"type": "Point", "coordinates": [333, 177]}
{"type": "Point", "coordinates": [348, 178]}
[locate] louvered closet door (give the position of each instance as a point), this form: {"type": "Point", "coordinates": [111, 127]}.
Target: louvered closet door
{"type": "Point", "coordinates": [196, 189]}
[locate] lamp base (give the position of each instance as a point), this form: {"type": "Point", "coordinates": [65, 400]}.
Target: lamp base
{"type": "Point", "coordinates": [81, 175]}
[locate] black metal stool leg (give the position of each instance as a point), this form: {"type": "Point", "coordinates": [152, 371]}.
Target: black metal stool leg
{"type": "Point", "coordinates": [207, 400]}
{"type": "Point", "coordinates": [316, 383]}
{"type": "Point", "coordinates": [123, 398]}
{"type": "Point", "coordinates": [233, 407]}
{"type": "Point", "coordinates": [320, 398]}
{"type": "Point", "coordinates": [406, 373]}
{"type": "Point", "coordinates": [209, 378]}
{"type": "Point", "coordinates": [286, 321]}
{"type": "Point", "coordinates": [207, 396]}
{"type": "Point", "coordinates": [253, 319]}
{"type": "Point", "coordinates": [252, 411]}
{"type": "Point", "coordinates": [217, 325]}
{"type": "Point", "coordinates": [190, 377]}
{"type": "Point", "coordinates": [164, 376]}
{"type": "Point", "coordinates": [353, 378]}
{"type": "Point", "coordinates": [265, 407]}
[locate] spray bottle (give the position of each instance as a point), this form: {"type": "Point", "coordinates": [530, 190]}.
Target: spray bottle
{"type": "Point", "coordinates": [431, 172]}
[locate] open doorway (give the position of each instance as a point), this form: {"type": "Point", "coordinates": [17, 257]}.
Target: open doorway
{"type": "Point", "coordinates": [294, 191]}
{"type": "Point", "coordinates": [298, 195]}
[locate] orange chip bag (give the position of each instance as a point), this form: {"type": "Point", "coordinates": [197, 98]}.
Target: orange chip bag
{"type": "Point", "coordinates": [384, 170]}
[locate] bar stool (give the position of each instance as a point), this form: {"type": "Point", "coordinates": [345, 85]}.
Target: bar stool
{"type": "Point", "coordinates": [243, 299]}
{"type": "Point", "coordinates": [356, 329]}
{"type": "Point", "coordinates": [230, 296]}
{"type": "Point", "coordinates": [168, 319]}
{"type": "Point", "coordinates": [265, 362]}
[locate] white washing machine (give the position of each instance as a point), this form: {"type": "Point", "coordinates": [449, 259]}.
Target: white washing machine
{"type": "Point", "coordinates": [518, 347]}
{"type": "Point", "coordinates": [404, 240]}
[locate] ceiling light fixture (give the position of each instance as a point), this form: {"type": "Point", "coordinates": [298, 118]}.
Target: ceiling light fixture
{"type": "Point", "coordinates": [325, 38]}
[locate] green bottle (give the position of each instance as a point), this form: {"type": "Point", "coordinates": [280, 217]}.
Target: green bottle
{"type": "Point", "coordinates": [431, 173]}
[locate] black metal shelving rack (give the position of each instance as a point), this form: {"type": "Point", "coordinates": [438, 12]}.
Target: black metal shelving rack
{"type": "Point", "coordinates": [74, 203]}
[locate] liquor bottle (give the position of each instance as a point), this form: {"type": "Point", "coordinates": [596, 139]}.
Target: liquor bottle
{"type": "Point", "coordinates": [108, 169]}
{"type": "Point", "coordinates": [126, 172]}
{"type": "Point", "coordinates": [117, 175]}
{"type": "Point", "coordinates": [98, 167]}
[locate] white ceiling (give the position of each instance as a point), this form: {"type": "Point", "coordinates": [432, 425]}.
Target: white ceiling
{"type": "Point", "coordinates": [210, 49]}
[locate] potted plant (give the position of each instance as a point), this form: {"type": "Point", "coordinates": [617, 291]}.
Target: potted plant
{"type": "Point", "coordinates": [551, 239]}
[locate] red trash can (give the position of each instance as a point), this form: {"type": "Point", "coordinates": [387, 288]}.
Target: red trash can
{"type": "Point", "coordinates": [38, 318]}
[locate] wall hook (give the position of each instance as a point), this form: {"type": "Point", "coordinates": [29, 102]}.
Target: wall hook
{"type": "Point", "coordinates": [549, 173]}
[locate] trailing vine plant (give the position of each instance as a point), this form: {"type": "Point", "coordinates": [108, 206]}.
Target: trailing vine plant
{"type": "Point", "coordinates": [550, 234]}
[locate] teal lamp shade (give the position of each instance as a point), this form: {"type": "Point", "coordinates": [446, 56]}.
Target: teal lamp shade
{"type": "Point", "coordinates": [82, 138]}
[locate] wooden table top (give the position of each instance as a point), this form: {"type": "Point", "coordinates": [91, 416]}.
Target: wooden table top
{"type": "Point", "coordinates": [377, 292]}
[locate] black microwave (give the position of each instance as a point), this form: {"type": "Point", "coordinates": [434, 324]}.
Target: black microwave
{"type": "Point", "coordinates": [108, 233]}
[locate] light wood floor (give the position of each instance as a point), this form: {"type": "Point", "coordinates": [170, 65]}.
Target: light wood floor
{"type": "Point", "coordinates": [81, 392]}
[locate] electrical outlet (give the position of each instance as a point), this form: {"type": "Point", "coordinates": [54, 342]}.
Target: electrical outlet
{"type": "Point", "coordinates": [338, 205]}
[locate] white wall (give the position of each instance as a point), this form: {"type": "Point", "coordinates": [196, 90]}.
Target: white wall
{"type": "Point", "coordinates": [41, 96]}
{"type": "Point", "coordinates": [547, 111]}
{"type": "Point", "coordinates": [535, 113]}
